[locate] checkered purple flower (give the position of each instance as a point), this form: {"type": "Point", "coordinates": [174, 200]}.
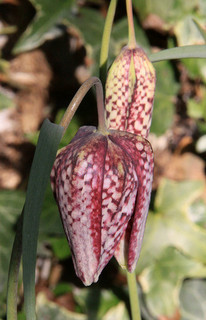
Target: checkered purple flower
{"type": "Point", "coordinates": [102, 185]}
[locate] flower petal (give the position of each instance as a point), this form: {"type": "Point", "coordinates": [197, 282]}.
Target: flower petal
{"type": "Point", "coordinates": [79, 176]}
{"type": "Point", "coordinates": [140, 114]}
{"type": "Point", "coordinates": [118, 200]}
{"type": "Point", "coordinates": [118, 93]}
{"type": "Point", "coordinates": [128, 250]}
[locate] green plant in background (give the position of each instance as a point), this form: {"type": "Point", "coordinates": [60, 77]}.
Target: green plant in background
{"type": "Point", "coordinates": [171, 212]}
{"type": "Point", "coordinates": [173, 248]}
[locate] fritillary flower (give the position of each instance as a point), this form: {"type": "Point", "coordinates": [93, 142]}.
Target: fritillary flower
{"type": "Point", "coordinates": [102, 184]}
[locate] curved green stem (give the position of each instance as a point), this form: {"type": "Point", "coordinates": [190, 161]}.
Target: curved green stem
{"type": "Point", "coordinates": [133, 296]}
{"type": "Point", "coordinates": [106, 39]}
{"type": "Point", "coordinates": [74, 104]}
{"type": "Point", "coordinates": [13, 275]}
{"type": "Point", "coordinates": [132, 40]}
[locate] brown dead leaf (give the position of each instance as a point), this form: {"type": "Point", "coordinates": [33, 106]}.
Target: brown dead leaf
{"type": "Point", "coordinates": [31, 74]}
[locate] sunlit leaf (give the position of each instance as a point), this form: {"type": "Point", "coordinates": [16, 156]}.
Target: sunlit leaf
{"type": "Point", "coordinates": [173, 246]}
{"type": "Point", "coordinates": [174, 196]}
{"type": "Point", "coordinates": [163, 279]}
{"type": "Point", "coordinates": [170, 224]}
{"type": "Point", "coordinates": [197, 212]}
{"type": "Point", "coordinates": [187, 33]}
{"type": "Point", "coordinates": [200, 28]}
{"type": "Point", "coordinates": [169, 11]}
{"type": "Point", "coordinates": [192, 300]}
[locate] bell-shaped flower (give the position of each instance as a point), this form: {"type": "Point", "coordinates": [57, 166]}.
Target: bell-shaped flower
{"type": "Point", "coordinates": [130, 88]}
{"type": "Point", "coordinates": [102, 184]}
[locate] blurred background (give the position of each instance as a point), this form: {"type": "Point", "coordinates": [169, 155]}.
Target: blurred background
{"type": "Point", "coordinates": [47, 50]}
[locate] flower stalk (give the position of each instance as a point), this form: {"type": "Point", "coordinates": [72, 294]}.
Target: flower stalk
{"type": "Point", "coordinates": [106, 40]}
{"type": "Point", "coordinates": [132, 40]}
{"type": "Point", "coordinates": [133, 296]}
{"type": "Point", "coordinates": [77, 99]}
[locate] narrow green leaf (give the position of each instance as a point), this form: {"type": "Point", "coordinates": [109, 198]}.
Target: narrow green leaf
{"type": "Point", "coordinates": [13, 274]}
{"type": "Point", "coordinates": [49, 138]}
{"type": "Point", "coordinates": [11, 203]}
{"type": "Point", "coordinates": [196, 51]}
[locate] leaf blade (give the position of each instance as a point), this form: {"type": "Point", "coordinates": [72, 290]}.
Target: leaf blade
{"type": "Point", "coordinates": [196, 51]}
{"type": "Point", "coordinates": [50, 136]}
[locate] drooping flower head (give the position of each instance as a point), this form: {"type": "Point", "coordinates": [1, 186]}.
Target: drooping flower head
{"type": "Point", "coordinates": [101, 182]}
